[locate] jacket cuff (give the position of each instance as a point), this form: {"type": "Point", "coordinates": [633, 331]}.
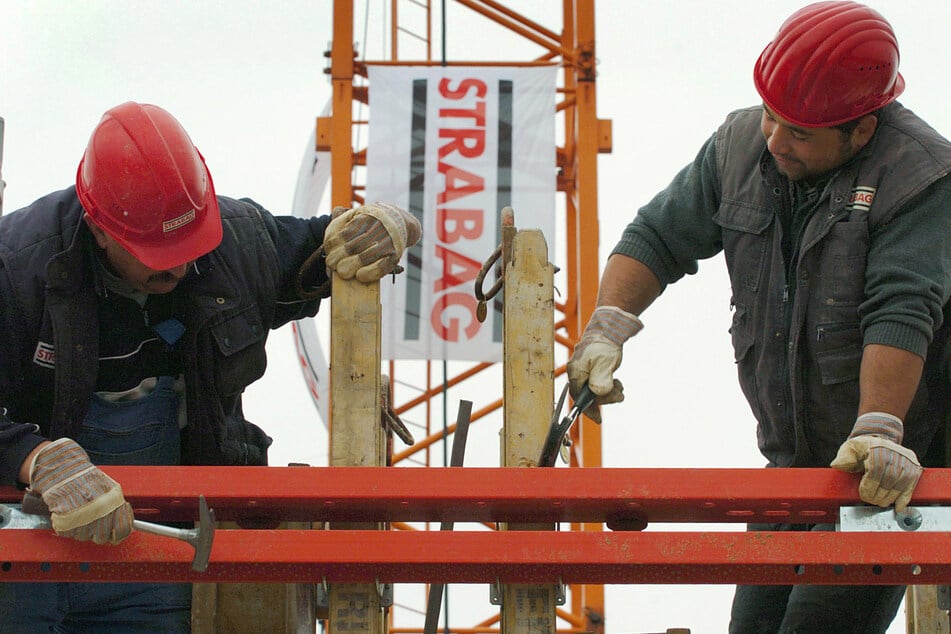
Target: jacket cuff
{"type": "Point", "coordinates": [12, 456]}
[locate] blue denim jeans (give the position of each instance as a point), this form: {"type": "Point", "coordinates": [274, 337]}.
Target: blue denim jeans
{"type": "Point", "coordinates": [139, 432]}
{"type": "Point", "coordinates": [73, 608]}
{"type": "Point", "coordinates": [812, 609]}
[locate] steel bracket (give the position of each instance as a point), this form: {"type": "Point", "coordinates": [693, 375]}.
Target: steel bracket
{"type": "Point", "coordinates": [912, 519]}
{"type": "Point", "coordinates": [495, 593]}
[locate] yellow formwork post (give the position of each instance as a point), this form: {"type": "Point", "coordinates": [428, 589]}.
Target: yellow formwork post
{"type": "Point", "coordinates": [924, 616]}
{"type": "Point", "coordinates": [356, 436]}
{"type": "Point", "coordinates": [529, 394]}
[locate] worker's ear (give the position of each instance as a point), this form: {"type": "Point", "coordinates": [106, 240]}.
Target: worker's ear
{"type": "Point", "coordinates": [102, 238]}
{"type": "Point", "coordinates": [863, 132]}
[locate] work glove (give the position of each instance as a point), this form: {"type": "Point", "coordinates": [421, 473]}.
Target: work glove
{"type": "Point", "coordinates": [84, 502]}
{"type": "Point", "coordinates": [367, 242]}
{"type": "Point", "coordinates": [874, 446]}
{"type": "Point", "coordinates": [598, 355]}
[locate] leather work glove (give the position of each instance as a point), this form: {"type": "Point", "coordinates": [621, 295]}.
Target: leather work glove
{"type": "Point", "coordinates": [367, 242]}
{"type": "Point", "coordinates": [84, 502]}
{"type": "Point", "coordinates": [874, 446]}
{"type": "Point", "coordinates": [598, 355]}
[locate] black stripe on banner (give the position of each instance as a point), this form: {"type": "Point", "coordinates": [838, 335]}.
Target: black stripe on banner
{"type": "Point", "coordinates": [417, 189]}
{"type": "Point", "coordinates": [503, 190]}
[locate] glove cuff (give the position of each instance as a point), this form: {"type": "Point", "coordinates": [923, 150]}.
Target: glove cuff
{"type": "Point", "coordinates": [879, 424]}
{"type": "Point", "coordinates": [614, 324]}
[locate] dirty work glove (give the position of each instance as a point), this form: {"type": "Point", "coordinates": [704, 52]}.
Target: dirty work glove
{"type": "Point", "coordinates": [367, 242]}
{"type": "Point", "coordinates": [598, 355]}
{"type": "Point", "coordinates": [388, 416]}
{"type": "Point", "coordinates": [874, 446]}
{"type": "Point", "coordinates": [84, 502]}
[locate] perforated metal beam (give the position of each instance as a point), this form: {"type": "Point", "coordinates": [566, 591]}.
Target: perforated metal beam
{"type": "Point", "coordinates": [341, 556]}
{"type": "Point", "coordinates": [493, 494]}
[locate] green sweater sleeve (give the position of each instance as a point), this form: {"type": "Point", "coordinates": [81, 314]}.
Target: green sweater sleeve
{"type": "Point", "coordinates": [908, 273]}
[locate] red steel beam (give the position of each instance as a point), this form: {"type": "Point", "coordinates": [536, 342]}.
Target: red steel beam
{"type": "Point", "coordinates": [510, 494]}
{"type": "Point", "coordinates": [338, 556]}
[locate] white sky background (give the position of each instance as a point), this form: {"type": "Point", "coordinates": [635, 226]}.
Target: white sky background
{"type": "Point", "coordinates": [246, 80]}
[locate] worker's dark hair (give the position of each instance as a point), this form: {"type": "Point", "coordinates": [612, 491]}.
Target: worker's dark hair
{"type": "Point", "coordinates": [847, 127]}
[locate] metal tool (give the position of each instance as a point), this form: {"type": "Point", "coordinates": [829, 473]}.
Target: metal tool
{"type": "Point", "coordinates": [558, 433]}
{"type": "Point", "coordinates": [34, 513]}
{"type": "Point", "coordinates": [434, 602]}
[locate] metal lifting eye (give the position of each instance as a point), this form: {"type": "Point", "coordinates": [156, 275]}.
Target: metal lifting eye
{"type": "Point", "coordinates": [483, 297]}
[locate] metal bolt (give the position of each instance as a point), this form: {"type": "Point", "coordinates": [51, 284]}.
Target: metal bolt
{"type": "Point", "coordinates": [909, 520]}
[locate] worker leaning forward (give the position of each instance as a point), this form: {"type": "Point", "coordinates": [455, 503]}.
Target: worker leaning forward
{"type": "Point", "coordinates": [135, 308]}
{"type": "Point", "coordinates": [832, 205]}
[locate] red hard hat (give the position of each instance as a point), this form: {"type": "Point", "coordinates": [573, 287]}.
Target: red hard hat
{"type": "Point", "coordinates": [143, 182]}
{"type": "Point", "coordinates": [830, 62]}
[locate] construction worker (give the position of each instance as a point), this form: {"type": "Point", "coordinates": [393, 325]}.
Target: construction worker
{"type": "Point", "coordinates": [135, 310]}
{"type": "Point", "coordinates": [830, 202]}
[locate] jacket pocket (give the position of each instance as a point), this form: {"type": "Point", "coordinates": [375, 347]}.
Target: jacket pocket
{"type": "Point", "coordinates": [838, 352]}
{"type": "Point", "coordinates": [239, 342]}
{"type": "Point", "coordinates": [744, 217]}
{"type": "Point", "coordinates": [745, 242]}
{"type": "Point", "coordinates": [744, 355]}
{"type": "Point", "coordinates": [843, 259]}
{"type": "Point", "coordinates": [740, 334]}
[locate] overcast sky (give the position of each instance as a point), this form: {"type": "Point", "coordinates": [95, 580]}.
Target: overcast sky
{"type": "Point", "coordinates": [246, 80]}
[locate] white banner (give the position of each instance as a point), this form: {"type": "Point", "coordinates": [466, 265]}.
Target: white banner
{"type": "Point", "coordinates": [455, 145]}
{"type": "Point", "coordinates": [312, 180]}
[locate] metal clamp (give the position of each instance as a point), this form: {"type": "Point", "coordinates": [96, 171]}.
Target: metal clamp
{"type": "Point", "coordinates": [495, 593]}
{"type": "Point", "coordinates": [323, 593]}
{"type": "Point", "coordinates": [944, 597]}
{"type": "Point", "coordinates": [561, 595]}
{"type": "Point", "coordinates": [385, 590]}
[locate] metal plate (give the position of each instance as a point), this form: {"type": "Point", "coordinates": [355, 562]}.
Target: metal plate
{"type": "Point", "coordinates": [873, 518]}
{"type": "Point", "coordinates": [12, 516]}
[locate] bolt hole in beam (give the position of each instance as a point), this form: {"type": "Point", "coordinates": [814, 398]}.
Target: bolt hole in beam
{"type": "Point", "coordinates": [838, 569]}
{"type": "Point", "coordinates": [7, 566]}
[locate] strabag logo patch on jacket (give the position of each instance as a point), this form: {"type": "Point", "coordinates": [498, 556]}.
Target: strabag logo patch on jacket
{"type": "Point", "coordinates": [861, 198]}
{"type": "Point", "coordinates": [45, 355]}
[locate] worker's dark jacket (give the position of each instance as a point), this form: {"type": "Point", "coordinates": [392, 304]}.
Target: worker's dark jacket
{"type": "Point", "coordinates": [50, 337]}
{"type": "Point", "coordinates": [859, 274]}
{"type": "Point", "coordinates": [822, 348]}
